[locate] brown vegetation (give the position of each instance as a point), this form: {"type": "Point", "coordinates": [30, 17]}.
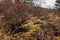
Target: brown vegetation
{"type": "Point", "coordinates": [21, 21]}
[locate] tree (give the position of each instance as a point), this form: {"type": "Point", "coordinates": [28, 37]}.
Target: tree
{"type": "Point", "coordinates": [58, 1]}
{"type": "Point", "coordinates": [58, 4]}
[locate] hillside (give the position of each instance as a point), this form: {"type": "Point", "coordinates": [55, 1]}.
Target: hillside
{"type": "Point", "coordinates": [22, 9]}
{"type": "Point", "coordinates": [20, 21]}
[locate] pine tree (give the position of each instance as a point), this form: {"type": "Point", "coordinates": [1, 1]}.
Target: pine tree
{"type": "Point", "coordinates": [58, 1]}
{"type": "Point", "coordinates": [58, 4]}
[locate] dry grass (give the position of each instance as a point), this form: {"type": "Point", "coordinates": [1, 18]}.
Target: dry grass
{"type": "Point", "coordinates": [32, 26]}
{"type": "Point", "coordinates": [25, 22]}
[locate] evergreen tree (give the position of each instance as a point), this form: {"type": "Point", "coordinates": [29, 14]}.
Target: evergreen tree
{"type": "Point", "coordinates": [58, 4]}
